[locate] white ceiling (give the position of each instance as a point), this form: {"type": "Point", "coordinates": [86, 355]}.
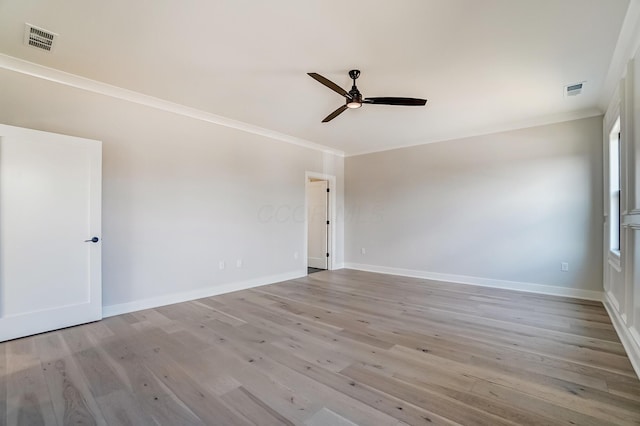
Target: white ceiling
{"type": "Point", "coordinates": [484, 65]}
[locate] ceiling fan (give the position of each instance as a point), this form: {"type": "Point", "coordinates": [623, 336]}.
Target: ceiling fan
{"type": "Point", "coordinates": [354, 98]}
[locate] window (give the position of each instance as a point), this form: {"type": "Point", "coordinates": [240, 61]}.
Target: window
{"type": "Point", "coordinates": [614, 188]}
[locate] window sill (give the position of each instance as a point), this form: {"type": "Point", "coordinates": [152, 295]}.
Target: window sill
{"type": "Point", "coordinates": [614, 260]}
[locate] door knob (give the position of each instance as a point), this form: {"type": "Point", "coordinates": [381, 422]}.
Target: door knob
{"type": "Point", "coordinates": [93, 240]}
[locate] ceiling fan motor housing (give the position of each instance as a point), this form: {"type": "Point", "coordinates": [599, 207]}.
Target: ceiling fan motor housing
{"type": "Point", "coordinates": [354, 97]}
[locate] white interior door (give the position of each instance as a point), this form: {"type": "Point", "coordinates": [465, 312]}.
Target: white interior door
{"type": "Point", "coordinates": [50, 203]}
{"type": "Point", "coordinates": [317, 217]}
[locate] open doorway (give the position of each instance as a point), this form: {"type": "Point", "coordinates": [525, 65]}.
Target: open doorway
{"type": "Point", "coordinates": [319, 209]}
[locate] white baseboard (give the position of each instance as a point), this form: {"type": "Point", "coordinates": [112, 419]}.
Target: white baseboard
{"type": "Point", "coordinates": [169, 299]}
{"type": "Point", "coordinates": [484, 282]}
{"type": "Point", "coordinates": [628, 336]}
{"type": "Point", "coordinates": [337, 266]}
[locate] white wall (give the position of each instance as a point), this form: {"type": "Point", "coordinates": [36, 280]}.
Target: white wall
{"type": "Point", "coordinates": [503, 209]}
{"type": "Point", "coordinates": [179, 194]}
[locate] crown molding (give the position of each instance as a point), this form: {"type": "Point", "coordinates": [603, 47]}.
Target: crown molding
{"type": "Point", "coordinates": [627, 45]}
{"type": "Point", "coordinates": [72, 80]}
{"type": "Point", "coordinates": [536, 122]}
{"type": "Point", "coordinates": [50, 74]}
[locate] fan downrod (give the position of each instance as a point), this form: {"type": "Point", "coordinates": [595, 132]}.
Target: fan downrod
{"type": "Point", "coordinates": [354, 99]}
{"type": "Point", "coordinates": [354, 93]}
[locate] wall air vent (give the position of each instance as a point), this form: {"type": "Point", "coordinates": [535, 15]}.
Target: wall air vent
{"type": "Point", "coordinates": [39, 37]}
{"type": "Point", "coordinates": [574, 89]}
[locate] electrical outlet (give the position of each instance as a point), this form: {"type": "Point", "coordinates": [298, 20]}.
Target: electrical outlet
{"type": "Point", "coordinates": [564, 267]}
{"type": "Point", "coordinates": [221, 265]}
{"type": "Point", "coordinates": [239, 263]}
{"type": "Point", "coordinates": [363, 250]}
{"type": "Point", "coordinates": [295, 255]}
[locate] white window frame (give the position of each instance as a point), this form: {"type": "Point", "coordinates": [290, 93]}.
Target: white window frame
{"type": "Point", "coordinates": [614, 212]}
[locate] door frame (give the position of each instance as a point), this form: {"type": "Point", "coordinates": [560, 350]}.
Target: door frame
{"type": "Point", "coordinates": [331, 244]}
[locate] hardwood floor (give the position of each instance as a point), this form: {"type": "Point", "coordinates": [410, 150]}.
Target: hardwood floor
{"type": "Point", "coordinates": [333, 348]}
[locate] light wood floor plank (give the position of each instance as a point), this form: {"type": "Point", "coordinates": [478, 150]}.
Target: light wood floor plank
{"type": "Point", "coordinates": [72, 400]}
{"type": "Point", "coordinates": [344, 346]}
{"type": "Point", "coordinates": [28, 400]}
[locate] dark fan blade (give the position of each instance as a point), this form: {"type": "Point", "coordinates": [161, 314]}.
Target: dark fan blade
{"type": "Point", "coordinates": [335, 113]}
{"type": "Point", "coordinates": [395, 101]}
{"type": "Point", "coordinates": [330, 84]}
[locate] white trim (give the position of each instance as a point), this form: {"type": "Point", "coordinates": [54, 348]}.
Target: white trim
{"type": "Point", "coordinates": [526, 124]}
{"type": "Point", "coordinates": [614, 261]}
{"type": "Point", "coordinates": [72, 80]}
{"type": "Point", "coordinates": [35, 70]}
{"type": "Point", "coordinates": [628, 43]}
{"type": "Point", "coordinates": [612, 115]}
{"type": "Point", "coordinates": [613, 300]}
{"type": "Point", "coordinates": [628, 336]}
{"type": "Point", "coordinates": [169, 299]}
{"type": "Point", "coordinates": [632, 220]}
{"type": "Point", "coordinates": [331, 179]}
{"type": "Point", "coordinates": [483, 282]}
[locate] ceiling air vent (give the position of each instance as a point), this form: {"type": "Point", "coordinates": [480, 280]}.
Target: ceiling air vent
{"type": "Point", "coordinates": [574, 89]}
{"type": "Point", "coordinates": [39, 38]}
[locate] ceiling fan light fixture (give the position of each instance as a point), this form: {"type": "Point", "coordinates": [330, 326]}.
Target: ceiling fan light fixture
{"type": "Point", "coordinates": [354, 98]}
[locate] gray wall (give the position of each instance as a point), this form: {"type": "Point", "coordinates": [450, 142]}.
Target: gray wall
{"type": "Point", "coordinates": [179, 194]}
{"type": "Point", "coordinates": [509, 206]}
